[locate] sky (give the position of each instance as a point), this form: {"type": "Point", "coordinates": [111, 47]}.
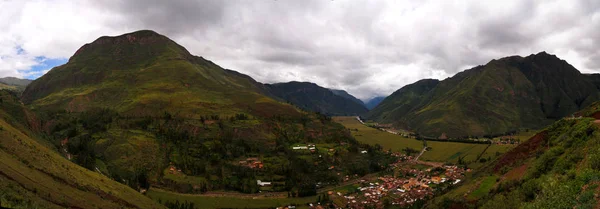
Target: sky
{"type": "Point", "coordinates": [368, 48]}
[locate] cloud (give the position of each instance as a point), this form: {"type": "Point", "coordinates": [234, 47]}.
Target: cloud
{"type": "Point", "coordinates": [369, 48]}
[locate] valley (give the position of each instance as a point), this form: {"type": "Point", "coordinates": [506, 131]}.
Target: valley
{"type": "Point", "coordinates": [444, 152]}
{"type": "Point", "coordinates": [136, 120]}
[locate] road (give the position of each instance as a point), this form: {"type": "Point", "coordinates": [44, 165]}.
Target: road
{"type": "Point", "coordinates": [422, 151]}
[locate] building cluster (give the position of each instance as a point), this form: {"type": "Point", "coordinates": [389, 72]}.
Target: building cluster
{"type": "Point", "coordinates": [263, 183]}
{"type": "Point", "coordinates": [252, 162]}
{"type": "Point", "coordinates": [506, 140]}
{"type": "Point", "coordinates": [173, 169]}
{"type": "Point", "coordinates": [310, 147]}
{"type": "Point", "coordinates": [413, 186]}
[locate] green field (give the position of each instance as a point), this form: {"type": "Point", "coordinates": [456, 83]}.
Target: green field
{"type": "Point", "coordinates": [440, 151]}
{"type": "Point", "coordinates": [484, 187]}
{"type": "Point", "coordinates": [206, 202]}
{"type": "Point", "coordinates": [374, 136]}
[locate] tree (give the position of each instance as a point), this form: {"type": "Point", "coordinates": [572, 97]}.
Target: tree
{"type": "Point", "coordinates": [410, 151]}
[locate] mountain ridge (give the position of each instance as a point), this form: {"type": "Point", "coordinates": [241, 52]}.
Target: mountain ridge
{"type": "Point", "coordinates": [313, 97]}
{"type": "Point", "coordinates": [373, 102]}
{"type": "Point", "coordinates": [511, 93]}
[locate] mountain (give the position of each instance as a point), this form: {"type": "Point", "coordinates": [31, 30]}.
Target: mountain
{"type": "Point", "coordinates": [15, 81]}
{"type": "Point", "coordinates": [141, 72]}
{"type": "Point", "coordinates": [347, 95]}
{"type": "Point", "coordinates": [140, 109]}
{"type": "Point", "coordinates": [34, 175]}
{"type": "Point", "coordinates": [315, 98]}
{"type": "Point", "coordinates": [556, 168]}
{"type": "Point", "coordinates": [502, 96]}
{"type": "Point", "coordinates": [12, 83]}
{"type": "Point", "coordinates": [373, 102]}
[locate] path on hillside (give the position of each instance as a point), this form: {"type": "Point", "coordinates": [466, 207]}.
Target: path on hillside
{"type": "Point", "coordinates": [428, 163]}
{"type": "Point", "coordinates": [422, 151]}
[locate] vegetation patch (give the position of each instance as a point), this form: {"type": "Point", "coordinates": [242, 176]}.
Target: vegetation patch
{"type": "Point", "coordinates": [484, 187]}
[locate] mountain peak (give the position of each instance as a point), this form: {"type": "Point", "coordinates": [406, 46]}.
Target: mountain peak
{"type": "Point", "coordinates": [544, 54]}
{"type": "Point", "coordinates": [135, 45]}
{"type": "Point", "coordinates": [141, 36]}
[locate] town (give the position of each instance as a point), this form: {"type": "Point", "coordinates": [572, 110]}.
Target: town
{"type": "Point", "coordinates": [407, 183]}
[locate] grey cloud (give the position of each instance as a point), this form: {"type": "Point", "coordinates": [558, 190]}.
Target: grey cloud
{"type": "Point", "coordinates": [369, 48]}
{"type": "Point", "coordinates": [175, 17]}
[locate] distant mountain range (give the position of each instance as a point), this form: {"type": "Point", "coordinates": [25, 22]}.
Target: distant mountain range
{"type": "Point", "coordinates": [15, 84]}
{"type": "Point", "coordinates": [501, 96]}
{"type": "Point", "coordinates": [373, 102]}
{"type": "Point", "coordinates": [310, 96]}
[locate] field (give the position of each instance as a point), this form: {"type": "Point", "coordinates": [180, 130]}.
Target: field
{"type": "Point", "coordinates": [374, 136]}
{"type": "Point", "coordinates": [207, 202]}
{"type": "Point", "coordinates": [484, 187]}
{"type": "Point", "coordinates": [440, 151]}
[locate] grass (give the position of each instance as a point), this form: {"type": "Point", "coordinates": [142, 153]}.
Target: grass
{"type": "Point", "coordinates": [374, 136]}
{"type": "Point", "coordinates": [524, 135]}
{"type": "Point", "coordinates": [484, 187]}
{"type": "Point", "coordinates": [440, 151]}
{"type": "Point", "coordinates": [182, 178]}
{"type": "Point", "coordinates": [206, 202]}
{"type": "Point", "coordinates": [9, 87]}
{"type": "Point", "coordinates": [347, 189]}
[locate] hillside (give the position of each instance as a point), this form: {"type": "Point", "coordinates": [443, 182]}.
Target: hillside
{"type": "Point", "coordinates": [35, 176]}
{"type": "Point", "coordinates": [15, 81]}
{"type": "Point", "coordinates": [141, 72]}
{"type": "Point", "coordinates": [140, 109]}
{"type": "Point", "coordinates": [346, 95]}
{"type": "Point", "coordinates": [14, 84]}
{"type": "Point", "coordinates": [310, 96]}
{"type": "Point", "coordinates": [557, 168]}
{"type": "Point", "coordinates": [505, 95]}
{"type": "Point", "coordinates": [373, 102]}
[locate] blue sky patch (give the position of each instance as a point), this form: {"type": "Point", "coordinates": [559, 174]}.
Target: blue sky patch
{"type": "Point", "coordinates": [45, 64]}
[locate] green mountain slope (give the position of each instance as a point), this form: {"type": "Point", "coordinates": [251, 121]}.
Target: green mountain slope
{"type": "Point", "coordinates": [35, 176]}
{"type": "Point", "coordinates": [502, 96]}
{"type": "Point", "coordinates": [557, 168]}
{"type": "Point", "coordinates": [403, 101]}
{"type": "Point", "coordinates": [142, 72]}
{"type": "Point", "coordinates": [315, 98]}
{"type": "Point", "coordinates": [347, 95]}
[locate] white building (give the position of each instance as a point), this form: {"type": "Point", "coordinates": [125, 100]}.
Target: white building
{"type": "Point", "coordinates": [262, 184]}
